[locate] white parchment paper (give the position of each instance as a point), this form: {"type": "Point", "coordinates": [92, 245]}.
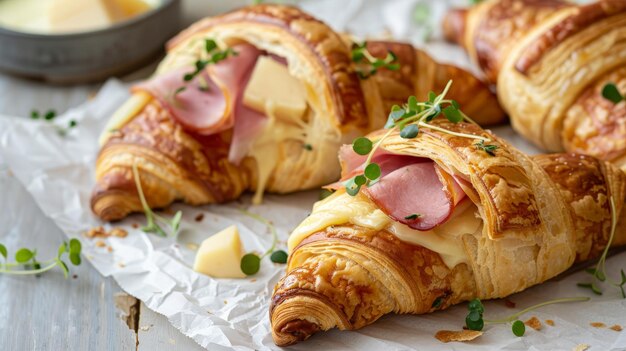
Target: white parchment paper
{"type": "Point", "coordinates": [39, 167]}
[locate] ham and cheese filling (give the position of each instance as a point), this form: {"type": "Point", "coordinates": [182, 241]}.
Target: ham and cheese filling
{"type": "Point", "coordinates": [251, 93]}
{"type": "Point", "coordinates": [414, 199]}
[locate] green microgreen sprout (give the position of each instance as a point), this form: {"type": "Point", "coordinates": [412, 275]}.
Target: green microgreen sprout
{"type": "Point", "coordinates": [408, 119]}
{"type": "Point", "coordinates": [362, 56]}
{"type": "Point", "coordinates": [413, 216]}
{"type": "Point", "coordinates": [251, 262]}
{"type": "Point", "coordinates": [27, 259]}
{"type": "Point", "coordinates": [598, 273]}
{"type": "Point", "coordinates": [152, 219]}
{"type": "Point", "coordinates": [215, 55]}
{"type": "Point", "coordinates": [489, 149]}
{"type": "Point", "coordinates": [49, 116]}
{"type": "Point", "coordinates": [610, 92]}
{"type": "Point", "coordinates": [475, 321]}
{"type": "Point", "coordinates": [308, 147]}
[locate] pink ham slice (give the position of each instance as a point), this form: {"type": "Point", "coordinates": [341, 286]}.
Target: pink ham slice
{"type": "Point", "coordinates": [205, 111]}
{"type": "Point", "coordinates": [415, 189]}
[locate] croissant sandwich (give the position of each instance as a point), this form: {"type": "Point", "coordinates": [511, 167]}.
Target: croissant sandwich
{"type": "Point", "coordinates": [551, 61]}
{"type": "Point", "coordinates": [258, 99]}
{"type": "Point", "coordinates": [450, 218]}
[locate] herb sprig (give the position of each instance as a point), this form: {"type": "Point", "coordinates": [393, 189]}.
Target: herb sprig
{"type": "Point", "coordinates": [598, 272]}
{"type": "Point", "coordinates": [610, 92]}
{"type": "Point", "coordinates": [361, 55]}
{"type": "Point", "coordinates": [475, 321]}
{"type": "Point", "coordinates": [215, 55]}
{"type": "Point", "coordinates": [49, 116]}
{"type": "Point", "coordinates": [408, 119]}
{"type": "Point", "coordinates": [27, 259]}
{"type": "Point", "coordinates": [251, 262]}
{"type": "Point", "coordinates": [153, 220]}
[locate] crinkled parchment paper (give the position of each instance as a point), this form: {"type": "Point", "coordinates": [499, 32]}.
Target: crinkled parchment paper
{"type": "Point", "coordinates": [40, 168]}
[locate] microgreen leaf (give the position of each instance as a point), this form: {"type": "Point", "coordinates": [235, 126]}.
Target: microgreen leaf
{"type": "Point", "coordinates": [476, 305]}
{"type": "Point", "coordinates": [413, 216]}
{"type": "Point", "coordinates": [50, 115]}
{"type": "Point", "coordinates": [362, 56]}
{"type": "Point", "coordinates": [610, 92]}
{"type": "Point", "coordinates": [175, 223]}
{"type": "Point", "coordinates": [452, 114]}
{"type": "Point", "coordinates": [397, 112]}
{"type": "Point", "coordinates": [437, 303]}
{"type": "Point", "coordinates": [279, 256]}
{"type": "Point", "coordinates": [75, 246]}
{"type": "Point", "coordinates": [23, 255]}
{"type": "Point", "coordinates": [372, 171]}
{"type": "Point", "coordinates": [431, 96]}
{"type": "Point", "coordinates": [362, 146]}
{"type": "Point", "coordinates": [360, 180]}
{"type": "Point", "coordinates": [250, 264]}
{"type": "Point", "coordinates": [410, 131]}
{"type": "Point", "coordinates": [518, 328]}
{"type": "Point", "coordinates": [308, 147]}
{"type": "Point", "coordinates": [3, 251]}
{"type": "Point", "coordinates": [75, 258]}
{"type": "Point", "coordinates": [34, 114]}
{"type": "Point", "coordinates": [489, 149]}
{"type": "Point", "coordinates": [210, 45]}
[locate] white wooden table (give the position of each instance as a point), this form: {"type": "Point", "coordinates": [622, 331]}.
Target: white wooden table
{"type": "Point", "coordinates": [88, 311]}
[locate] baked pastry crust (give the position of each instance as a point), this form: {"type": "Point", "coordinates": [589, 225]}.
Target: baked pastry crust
{"type": "Point", "coordinates": [550, 60]}
{"type": "Point", "coordinates": [540, 214]}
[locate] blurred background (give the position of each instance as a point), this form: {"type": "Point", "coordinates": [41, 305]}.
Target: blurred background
{"type": "Point", "coordinates": [55, 54]}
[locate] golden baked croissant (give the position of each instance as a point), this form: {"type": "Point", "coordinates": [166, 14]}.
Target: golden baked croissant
{"type": "Point", "coordinates": [269, 115]}
{"type": "Point", "coordinates": [550, 60]}
{"type": "Point", "coordinates": [448, 221]}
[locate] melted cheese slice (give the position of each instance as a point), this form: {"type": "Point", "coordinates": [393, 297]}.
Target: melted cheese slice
{"type": "Point", "coordinates": [271, 83]}
{"type": "Point", "coordinates": [341, 208]}
{"type": "Point", "coordinates": [125, 114]}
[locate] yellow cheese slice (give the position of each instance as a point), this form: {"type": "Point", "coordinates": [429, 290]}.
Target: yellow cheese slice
{"type": "Point", "coordinates": [271, 81]}
{"type": "Point", "coordinates": [341, 208]}
{"type": "Point", "coordinates": [124, 114]}
{"type": "Point", "coordinates": [219, 256]}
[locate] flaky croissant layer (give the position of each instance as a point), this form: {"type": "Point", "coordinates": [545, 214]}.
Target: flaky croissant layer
{"type": "Point", "coordinates": [550, 60]}
{"type": "Point", "coordinates": [539, 215]}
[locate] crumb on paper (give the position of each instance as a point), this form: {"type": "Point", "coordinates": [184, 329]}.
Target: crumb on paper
{"type": "Point", "coordinates": [534, 323]}
{"type": "Point", "coordinates": [252, 280]}
{"type": "Point", "coordinates": [146, 327]}
{"type": "Point", "coordinates": [96, 232]}
{"type": "Point", "coordinates": [121, 265]}
{"type": "Point", "coordinates": [597, 324]}
{"type": "Point", "coordinates": [109, 249]}
{"type": "Point", "coordinates": [100, 243]}
{"type": "Point", "coordinates": [616, 327]}
{"type": "Point", "coordinates": [192, 246]}
{"type": "Point", "coordinates": [508, 303]}
{"type": "Point", "coordinates": [135, 225]}
{"type": "Point", "coordinates": [581, 347]}
{"type": "Point", "coordinates": [118, 232]}
{"type": "Point", "coordinates": [457, 335]}
{"type": "Point", "coordinates": [199, 217]}
{"type": "Point", "coordinates": [75, 276]}
{"type": "Point", "coordinates": [225, 302]}
{"type": "Point", "coordinates": [550, 322]}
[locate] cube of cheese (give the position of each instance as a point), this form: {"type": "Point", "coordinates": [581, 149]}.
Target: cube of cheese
{"type": "Point", "coordinates": [219, 256]}
{"type": "Point", "coordinates": [271, 82]}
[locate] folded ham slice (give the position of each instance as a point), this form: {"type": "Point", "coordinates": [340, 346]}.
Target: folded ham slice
{"type": "Point", "coordinates": [206, 104]}
{"type": "Point", "coordinates": [411, 190]}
